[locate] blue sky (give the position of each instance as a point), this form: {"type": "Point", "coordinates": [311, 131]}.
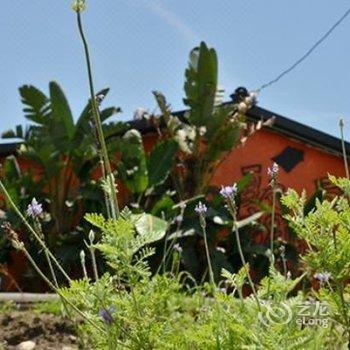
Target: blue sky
{"type": "Point", "coordinates": [142, 45]}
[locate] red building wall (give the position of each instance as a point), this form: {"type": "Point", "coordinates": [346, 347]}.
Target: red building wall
{"type": "Point", "coordinates": [312, 166]}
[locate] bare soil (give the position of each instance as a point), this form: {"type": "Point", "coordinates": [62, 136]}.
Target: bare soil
{"type": "Point", "coordinates": [48, 331]}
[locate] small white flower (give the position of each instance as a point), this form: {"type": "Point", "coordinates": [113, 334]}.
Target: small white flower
{"type": "Point", "coordinates": [132, 133]}
{"type": "Point", "coordinates": [177, 248]}
{"type": "Point", "coordinates": [202, 130]}
{"type": "Point", "coordinates": [273, 171]}
{"type": "Point", "coordinates": [140, 113]}
{"type": "Point", "coordinates": [221, 249]}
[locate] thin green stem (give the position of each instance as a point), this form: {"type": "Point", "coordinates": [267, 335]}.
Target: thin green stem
{"type": "Point", "coordinates": [83, 265]}
{"type": "Point", "coordinates": [37, 226]}
{"type": "Point", "coordinates": [32, 231]}
{"type": "Point", "coordinates": [95, 111]}
{"type": "Point", "coordinates": [94, 264]}
{"type": "Point", "coordinates": [211, 275]}
{"type": "Point", "coordinates": [340, 290]}
{"type": "Point", "coordinates": [51, 269]}
{"type": "Point", "coordinates": [240, 251]}
{"type": "Point", "coordinates": [273, 213]}
{"type": "Point", "coordinates": [272, 229]}
{"type": "Point", "coordinates": [341, 125]}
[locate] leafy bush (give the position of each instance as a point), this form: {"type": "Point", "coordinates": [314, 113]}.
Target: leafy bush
{"type": "Point", "coordinates": [63, 160]}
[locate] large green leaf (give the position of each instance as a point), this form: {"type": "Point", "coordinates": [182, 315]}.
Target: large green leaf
{"type": "Point", "coordinates": [133, 166]}
{"type": "Point", "coordinates": [62, 115]}
{"type": "Point", "coordinates": [150, 227]}
{"type": "Point", "coordinates": [164, 206]}
{"type": "Point", "coordinates": [161, 161]}
{"type": "Point", "coordinates": [201, 84]}
{"type": "Point", "coordinates": [36, 103]}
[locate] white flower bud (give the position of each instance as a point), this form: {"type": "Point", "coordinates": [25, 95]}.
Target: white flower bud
{"type": "Point", "coordinates": [79, 5]}
{"type": "Point", "coordinates": [82, 256]}
{"type": "Point", "coordinates": [91, 236]}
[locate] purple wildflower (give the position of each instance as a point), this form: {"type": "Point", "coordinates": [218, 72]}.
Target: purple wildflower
{"type": "Point", "coordinates": [200, 208]}
{"type": "Point", "coordinates": [228, 191]}
{"type": "Point", "coordinates": [273, 171]}
{"type": "Point", "coordinates": [106, 314]}
{"type": "Point", "coordinates": [34, 209]}
{"type": "Point", "coordinates": [323, 277]}
{"type": "Point", "coordinates": [177, 248]}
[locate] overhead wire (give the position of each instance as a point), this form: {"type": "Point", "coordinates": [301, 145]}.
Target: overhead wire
{"type": "Point", "coordinates": [307, 53]}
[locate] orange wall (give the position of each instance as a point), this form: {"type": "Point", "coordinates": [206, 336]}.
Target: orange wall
{"type": "Point", "coordinates": [256, 156]}
{"type": "Point", "coordinates": [263, 146]}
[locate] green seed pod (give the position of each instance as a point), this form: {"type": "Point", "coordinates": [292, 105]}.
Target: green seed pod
{"type": "Point", "coordinates": [79, 5]}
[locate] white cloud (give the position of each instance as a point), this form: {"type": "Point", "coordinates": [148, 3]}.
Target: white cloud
{"type": "Point", "coordinates": [173, 21]}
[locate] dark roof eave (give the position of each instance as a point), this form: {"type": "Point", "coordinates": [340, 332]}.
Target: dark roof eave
{"type": "Point", "coordinates": [282, 125]}
{"type": "Point", "coordinates": [299, 131]}
{"type": "Point", "coordinates": [7, 149]}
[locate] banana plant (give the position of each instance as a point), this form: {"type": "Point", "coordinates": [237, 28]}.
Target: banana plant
{"type": "Point", "coordinates": [64, 155]}
{"type": "Point", "coordinates": [183, 160]}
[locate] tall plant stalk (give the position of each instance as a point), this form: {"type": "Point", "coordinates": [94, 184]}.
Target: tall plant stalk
{"type": "Point", "coordinates": [272, 227]}
{"type": "Point", "coordinates": [210, 268]}
{"type": "Point", "coordinates": [341, 126]}
{"type": "Point", "coordinates": [244, 263]}
{"type": "Point", "coordinates": [106, 165]}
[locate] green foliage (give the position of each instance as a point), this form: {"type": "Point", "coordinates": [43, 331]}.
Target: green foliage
{"type": "Point", "coordinates": [133, 166]}
{"type": "Point", "coordinates": [164, 312]}
{"type": "Point", "coordinates": [160, 161]}
{"type": "Point", "coordinates": [63, 157]}
{"type": "Point", "coordinates": [201, 84]}
{"type": "Point", "coordinates": [326, 232]}
{"type": "Point", "coordinates": [49, 307]}
{"type": "Point", "coordinates": [127, 240]}
{"type": "Point", "coordinates": [7, 307]}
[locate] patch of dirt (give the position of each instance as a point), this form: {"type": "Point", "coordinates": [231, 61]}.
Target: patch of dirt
{"type": "Point", "coordinates": [48, 331]}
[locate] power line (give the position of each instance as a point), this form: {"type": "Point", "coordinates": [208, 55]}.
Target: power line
{"type": "Point", "coordinates": [307, 54]}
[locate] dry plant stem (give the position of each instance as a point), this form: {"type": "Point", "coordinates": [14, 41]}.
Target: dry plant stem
{"type": "Point", "coordinates": [341, 125]}
{"type": "Point", "coordinates": [52, 271]}
{"type": "Point", "coordinates": [50, 284]}
{"type": "Point", "coordinates": [32, 231]}
{"type": "Point", "coordinates": [106, 163]}
{"type": "Point", "coordinates": [238, 241]}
